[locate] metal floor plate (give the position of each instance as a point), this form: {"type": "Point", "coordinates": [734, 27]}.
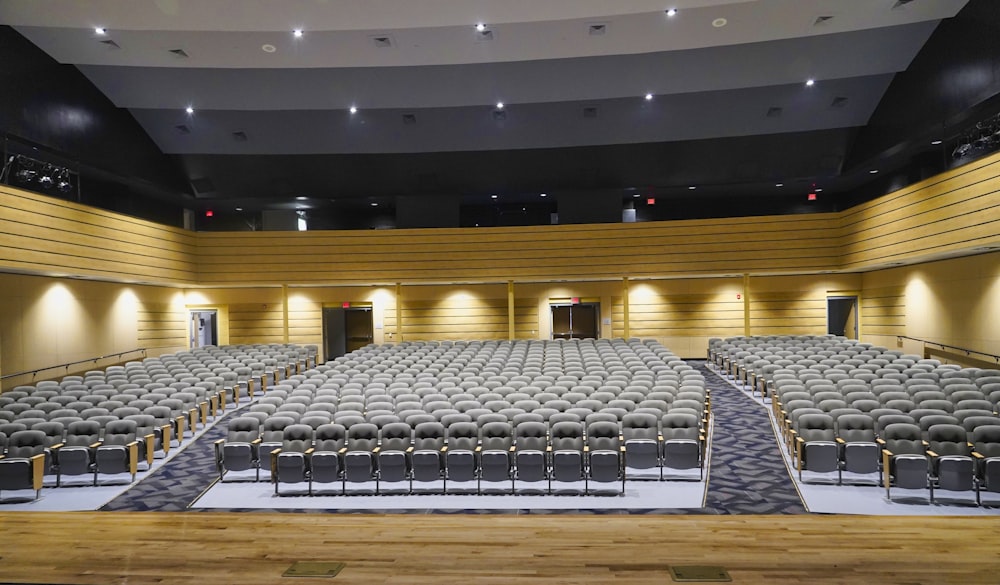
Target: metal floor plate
{"type": "Point", "coordinates": [699, 573]}
{"type": "Point", "coordinates": [314, 569]}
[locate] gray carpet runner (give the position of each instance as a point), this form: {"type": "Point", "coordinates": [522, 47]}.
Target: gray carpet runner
{"type": "Point", "coordinates": [748, 475]}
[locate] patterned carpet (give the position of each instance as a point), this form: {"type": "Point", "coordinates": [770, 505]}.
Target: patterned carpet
{"type": "Point", "coordinates": [747, 475]}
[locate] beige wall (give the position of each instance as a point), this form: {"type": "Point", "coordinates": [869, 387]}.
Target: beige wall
{"type": "Point", "coordinates": [688, 280]}
{"type": "Point", "coordinates": [48, 321]}
{"type": "Point", "coordinates": [954, 302]}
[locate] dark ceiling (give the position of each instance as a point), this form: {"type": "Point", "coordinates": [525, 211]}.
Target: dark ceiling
{"type": "Point", "coordinates": [729, 120]}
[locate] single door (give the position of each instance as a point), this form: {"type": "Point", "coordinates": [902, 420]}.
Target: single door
{"type": "Point", "coordinates": [203, 329]}
{"type": "Point", "coordinates": [334, 333]}
{"type": "Point", "coordinates": [842, 316]}
{"type": "Point", "coordinates": [358, 328]}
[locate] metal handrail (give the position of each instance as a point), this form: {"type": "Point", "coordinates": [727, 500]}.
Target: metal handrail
{"type": "Point", "coordinates": [67, 365]}
{"type": "Point", "coordinates": [968, 352]}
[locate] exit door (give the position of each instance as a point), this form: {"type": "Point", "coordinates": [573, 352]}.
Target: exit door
{"type": "Point", "coordinates": [203, 329]}
{"type": "Point", "coordinates": [346, 330]}
{"type": "Point", "coordinates": [842, 316]}
{"type": "Point", "coordinates": [578, 321]}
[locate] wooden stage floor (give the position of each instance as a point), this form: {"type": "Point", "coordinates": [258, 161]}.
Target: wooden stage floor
{"type": "Point", "coordinates": [104, 548]}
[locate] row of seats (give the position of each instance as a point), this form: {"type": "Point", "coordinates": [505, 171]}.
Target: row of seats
{"type": "Point", "coordinates": [528, 450]}
{"type": "Point", "coordinates": [859, 409]}
{"type": "Point", "coordinates": [448, 387]}
{"type": "Point", "coordinates": [141, 406]}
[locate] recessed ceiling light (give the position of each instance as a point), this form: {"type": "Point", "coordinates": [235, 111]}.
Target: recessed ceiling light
{"type": "Point", "coordinates": [873, 171]}
{"type": "Point", "coordinates": [374, 204]}
{"type": "Point", "coordinates": [480, 27]}
{"type": "Point", "coordinates": [818, 190]}
{"type": "Point", "coordinates": [239, 209]}
{"type": "Point", "coordinates": [297, 33]}
{"type": "Point", "coordinates": [268, 48]}
{"type": "Point", "coordinates": [189, 110]}
{"type": "Point", "coordinates": [810, 82]}
{"type": "Point", "coordinates": [544, 195]}
{"type": "Point", "coordinates": [648, 96]}
{"type": "Point", "coordinates": [493, 196]}
{"type": "Point", "coordinates": [935, 142]}
{"type": "Point", "coordinates": [720, 22]}
{"type": "Point", "coordinates": [300, 198]}
{"type": "Point", "coordinates": [692, 188]}
{"type": "Point", "coordinates": [101, 30]}
{"type": "Point", "coordinates": [635, 196]}
{"type": "Point", "coordinates": [779, 184]}
{"type": "Point", "coordinates": [499, 105]}
{"type": "Point", "coordinates": [354, 110]}
{"type": "Point", "coordinates": [671, 12]}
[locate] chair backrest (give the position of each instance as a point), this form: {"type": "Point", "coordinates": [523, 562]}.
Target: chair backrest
{"type": "Point", "coordinates": [496, 436]}
{"type": "Point", "coordinates": [903, 439]}
{"type": "Point", "coordinates": [463, 436]}
{"type": "Point", "coordinates": [948, 439]}
{"type": "Point", "coordinates": [856, 428]}
{"type": "Point", "coordinates": [603, 436]}
{"type": "Point", "coordinates": [330, 437]}
{"type": "Point", "coordinates": [119, 432]}
{"type": "Point", "coordinates": [531, 436]}
{"type": "Point", "coordinates": [815, 427]}
{"type": "Point", "coordinates": [428, 436]}
{"type": "Point", "coordinates": [986, 440]}
{"type": "Point", "coordinates": [674, 425]}
{"type": "Point", "coordinates": [639, 426]}
{"type": "Point", "coordinates": [25, 444]}
{"type": "Point", "coordinates": [296, 438]}
{"type": "Point", "coordinates": [397, 436]}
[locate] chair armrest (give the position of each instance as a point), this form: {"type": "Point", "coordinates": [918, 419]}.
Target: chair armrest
{"type": "Point", "coordinates": [149, 440]}
{"type": "Point", "coordinates": [880, 441]}
{"type": "Point", "coordinates": [256, 441]}
{"type": "Point", "coordinates": [799, 440]}
{"type": "Point", "coordinates": [409, 449]}
{"type": "Point", "coordinates": [37, 470]}
{"type": "Point", "coordinates": [840, 441]}
{"type": "Point", "coordinates": [978, 455]}
{"type": "Point", "coordinates": [376, 449]}
{"type": "Point", "coordinates": [478, 449]}
{"type": "Point", "coordinates": [932, 453]}
{"type": "Point", "coordinates": [342, 450]}
{"type": "Point", "coordinates": [133, 457]}
{"type": "Point", "coordinates": [96, 445]}
{"type": "Point", "coordinates": [310, 451]}
{"type": "Point", "coordinates": [444, 449]}
{"type": "Point", "coordinates": [219, 441]}
{"type": "Point", "coordinates": [56, 447]}
{"type": "Point", "coordinates": [512, 448]}
{"type": "Point", "coordinates": [887, 452]}
{"type": "Point", "coordinates": [276, 451]}
{"type": "Point", "coordinates": [586, 448]}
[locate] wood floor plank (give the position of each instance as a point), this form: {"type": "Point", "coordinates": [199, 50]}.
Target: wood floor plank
{"type": "Point", "coordinates": [252, 548]}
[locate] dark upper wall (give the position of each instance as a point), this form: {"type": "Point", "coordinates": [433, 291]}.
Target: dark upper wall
{"type": "Point", "coordinates": [946, 88]}
{"type": "Point", "coordinates": [57, 108]}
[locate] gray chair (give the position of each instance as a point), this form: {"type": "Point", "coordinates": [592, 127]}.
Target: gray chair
{"type": "Point", "coordinates": [605, 455]}
{"type": "Point", "coordinates": [683, 444]}
{"type": "Point", "coordinates": [23, 466]}
{"type": "Point", "coordinates": [496, 443]}
{"type": "Point", "coordinates": [859, 453]}
{"type": "Point", "coordinates": [395, 440]}
{"type": "Point", "coordinates": [531, 448]}
{"type": "Point", "coordinates": [240, 450]}
{"type": "Point", "coordinates": [642, 442]}
{"type": "Point", "coordinates": [427, 457]}
{"type": "Point", "coordinates": [567, 447]}
{"type": "Point", "coordinates": [326, 462]}
{"type": "Point", "coordinates": [75, 457]}
{"type": "Point", "coordinates": [952, 467]}
{"type": "Point", "coordinates": [118, 452]}
{"type": "Point", "coordinates": [986, 451]}
{"type": "Point", "coordinates": [360, 458]}
{"type": "Point", "coordinates": [461, 455]}
{"type": "Point", "coordinates": [816, 448]}
{"type": "Point", "coordinates": [904, 458]}
{"type": "Point", "coordinates": [290, 462]}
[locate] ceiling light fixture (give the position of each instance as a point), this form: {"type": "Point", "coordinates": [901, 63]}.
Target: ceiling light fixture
{"type": "Point", "coordinates": [648, 96]}
{"type": "Point", "coordinates": [493, 196]}
{"type": "Point", "coordinates": [297, 33]}
{"type": "Point", "coordinates": [935, 142]}
{"type": "Point", "coordinates": [873, 171]}
{"type": "Point", "coordinates": [499, 105]}
{"type": "Point", "coordinates": [720, 22]}
{"type": "Point", "coordinates": [101, 30]}
{"type": "Point", "coordinates": [374, 204]}
{"type": "Point", "coordinates": [810, 82]}
{"type": "Point", "coordinates": [268, 48]}
{"type": "Point", "coordinates": [779, 184]}
{"type": "Point", "coordinates": [544, 195]}
{"type": "Point", "coordinates": [239, 209]}
{"type": "Point", "coordinates": [671, 12]}
{"type": "Point", "coordinates": [692, 188]}
{"type": "Point", "coordinates": [480, 27]}
{"type": "Point", "coordinates": [354, 110]}
{"type": "Point", "coordinates": [189, 110]}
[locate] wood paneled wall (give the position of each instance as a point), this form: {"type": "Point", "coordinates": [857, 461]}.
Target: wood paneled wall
{"type": "Point", "coordinates": [884, 311]}
{"type": "Point", "coordinates": [161, 325]}
{"type": "Point", "coordinates": [256, 323]}
{"type": "Point", "coordinates": [46, 235]}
